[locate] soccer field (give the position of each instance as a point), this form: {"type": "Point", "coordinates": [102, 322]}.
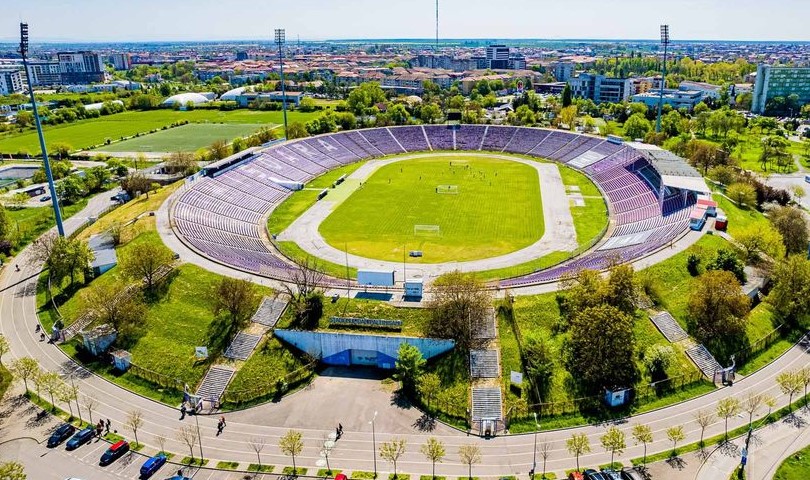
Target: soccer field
{"type": "Point", "coordinates": [86, 134]}
{"type": "Point", "coordinates": [476, 208]}
{"type": "Point", "coordinates": [186, 138]}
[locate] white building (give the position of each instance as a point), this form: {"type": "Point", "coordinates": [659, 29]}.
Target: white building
{"type": "Point", "coordinates": [11, 81]}
{"type": "Point", "coordinates": [675, 98]}
{"type": "Point", "coordinates": [44, 73]}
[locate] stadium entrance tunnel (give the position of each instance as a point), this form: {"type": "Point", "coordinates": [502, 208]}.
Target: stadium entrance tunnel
{"type": "Point", "coordinates": [349, 349]}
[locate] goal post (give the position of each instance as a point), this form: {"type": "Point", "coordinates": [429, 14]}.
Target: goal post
{"type": "Point", "coordinates": [427, 231]}
{"type": "Point", "coordinates": [447, 189]}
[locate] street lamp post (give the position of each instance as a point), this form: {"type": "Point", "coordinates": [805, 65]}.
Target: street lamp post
{"type": "Point", "coordinates": [280, 38]}
{"type": "Point", "coordinates": [665, 43]}
{"type": "Point", "coordinates": [199, 436]}
{"type": "Point", "coordinates": [534, 451]}
{"type": "Point", "coordinates": [374, 443]}
{"type": "Point", "coordinates": [47, 164]}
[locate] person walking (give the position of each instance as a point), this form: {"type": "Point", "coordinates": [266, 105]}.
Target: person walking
{"type": "Point", "coordinates": [107, 426]}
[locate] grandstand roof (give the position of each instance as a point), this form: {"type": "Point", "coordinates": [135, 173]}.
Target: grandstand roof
{"type": "Point", "coordinates": [675, 171]}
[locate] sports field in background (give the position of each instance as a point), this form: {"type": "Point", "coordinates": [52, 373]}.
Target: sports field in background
{"type": "Point", "coordinates": [186, 138]}
{"type": "Point", "coordinates": [496, 210]}
{"type": "Point", "coordinates": [86, 134]}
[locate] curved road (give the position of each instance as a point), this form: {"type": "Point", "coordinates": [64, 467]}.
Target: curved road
{"type": "Point", "coordinates": [500, 456]}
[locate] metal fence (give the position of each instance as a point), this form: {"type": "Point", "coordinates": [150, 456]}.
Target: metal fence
{"type": "Point", "coordinates": [763, 343]}
{"type": "Point", "coordinates": [156, 378]}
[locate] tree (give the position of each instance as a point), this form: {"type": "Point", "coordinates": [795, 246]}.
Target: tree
{"type": "Point", "coordinates": [257, 444]}
{"type": "Point", "coordinates": [566, 95]}
{"type": "Point", "coordinates": [12, 471]}
{"type": "Point", "coordinates": [61, 150]}
{"type": "Point", "coordinates": [63, 257]}
{"type": "Point", "coordinates": [365, 96]}
{"type": "Point", "coordinates": [703, 418]}
{"type": "Point", "coordinates": [4, 347]}
{"type": "Point", "coordinates": [433, 450]}
{"type": "Point", "coordinates": [307, 104]}
{"type": "Point", "coordinates": [90, 403]}
{"type": "Point", "coordinates": [188, 434]}
{"type": "Point", "coordinates": [134, 422]}
{"type": "Point", "coordinates": [637, 126]}
{"type": "Point", "coordinates": [545, 450]}
{"type": "Point", "coordinates": [430, 113]}
{"type": "Point", "coordinates": [742, 194]}
{"type": "Point", "coordinates": [603, 340]}
{"type": "Point", "coordinates": [296, 130]}
{"type": "Point", "coordinates": [144, 261]}
{"type": "Point", "coordinates": [52, 384]}
{"type": "Point", "coordinates": [182, 162]}
{"type": "Point", "coordinates": [17, 201]}
{"type": "Point", "coordinates": [469, 455]}
{"type": "Point", "coordinates": [578, 445]}
{"type": "Point", "coordinates": [791, 223]}
{"type": "Point", "coordinates": [392, 450]}
{"type": "Point", "coordinates": [717, 311]}
{"type": "Point", "coordinates": [429, 387]}
{"type": "Point", "coordinates": [727, 408]}
{"type": "Point", "coordinates": [24, 368]}
{"type": "Point", "coordinates": [460, 304]}
{"type": "Point", "coordinates": [291, 444]}
{"type": "Point", "coordinates": [135, 183]}
{"type": "Point", "coordinates": [539, 362]}
{"type": "Point", "coordinates": [751, 404]}
{"type": "Point", "coordinates": [409, 366]}
{"type": "Point", "coordinates": [804, 376]}
{"type": "Point", "coordinates": [613, 441]}
{"type": "Point", "coordinates": [109, 305]}
{"type": "Point", "coordinates": [96, 178]}
{"type": "Point", "coordinates": [675, 434]}
{"type": "Point", "coordinates": [24, 119]}
{"type": "Point", "coordinates": [568, 115]}
{"type": "Point", "coordinates": [237, 298]}
{"type": "Point", "coordinates": [398, 114]}
{"type": "Point", "coordinates": [727, 260]}
{"type": "Point", "coordinates": [161, 441]}
{"type": "Point", "coordinates": [790, 383]}
{"type": "Point", "coordinates": [657, 358]}
{"type": "Point", "coordinates": [303, 289]}
{"type": "Point", "coordinates": [67, 394]}
{"type": "Point", "coordinates": [790, 291]}
{"type": "Point", "coordinates": [642, 434]}
{"type": "Point", "coordinates": [758, 242]}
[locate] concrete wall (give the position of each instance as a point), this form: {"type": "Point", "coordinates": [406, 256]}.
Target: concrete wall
{"type": "Point", "coordinates": [342, 348]}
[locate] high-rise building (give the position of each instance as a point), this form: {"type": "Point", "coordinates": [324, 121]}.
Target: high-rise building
{"type": "Point", "coordinates": [80, 67]}
{"type": "Point", "coordinates": [563, 71]}
{"type": "Point", "coordinates": [517, 62]}
{"type": "Point", "coordinates": [498, 57]}
{"type": "Point", "coordinates": [44, 72]}
{"type": "Point", "coordinates": [600, 88]}
{"type": "Point", "coordinates": [120, 61]}
{"type": "Point", "coordinates": [775, 82]}
{"type": "Point", "coordinates": [11, 81]}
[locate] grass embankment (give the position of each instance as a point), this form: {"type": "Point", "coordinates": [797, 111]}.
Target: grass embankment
{"type": "Point", "coordinates": [5, 380]}
{"type": "Point", "coordinates": [94, 132]}
{"type": "Point", "coordinates": [31, 222]}
{"type": "Point", "coordinates": [381, 217]}
{"type": "Point", "coordinates": [795, 466]}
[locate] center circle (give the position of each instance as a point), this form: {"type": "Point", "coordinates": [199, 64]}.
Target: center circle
{"type": "Point", "coordinates": [447, 207]}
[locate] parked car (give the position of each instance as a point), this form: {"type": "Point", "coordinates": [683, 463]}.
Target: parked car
{"type": "Point", "coordinates": [628, 473]}
{"type": "Point", "coordinates": [152, 465]}
{"type": "Point", "coordinates": [45, 198]}
{"type": "Point", "coordinates": [178, 477]}
{"type": "Point", "coordinates": [611, 474]}
{"type": "Point", "coordinates": [575, 476]}
{"type": "Point", "coordinates": [80, 438]}
{"type": "Point", "coordinates": [62, 433]}
{"type": "Point", "coordinates": [591, 474]}
{"type": "Point", "coordinates": [114, 452]}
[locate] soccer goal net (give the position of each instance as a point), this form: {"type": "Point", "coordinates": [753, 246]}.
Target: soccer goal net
{"type": "Point", "coordinates": [426, 230]}
{"type": "Point", "coordinates": [447, 189]}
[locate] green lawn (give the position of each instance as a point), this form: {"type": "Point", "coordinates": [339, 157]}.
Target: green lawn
{"type": "Point", "coordinates": [795, 466]}
{"type": "Point", "coordinates": [5, 380]}
{"type": "Point", "coordinates": [187, 138]}
{"type": "Point", "coordinates": [591, 220]}
{"type": "Point", "coordinates": [497, 210]}
{"type": "Point", "coordinates": [91, 133]}
{"type": "Point", "coordinates": [258, 376]}
{"type": "Point", "coordinates": [30, 223]}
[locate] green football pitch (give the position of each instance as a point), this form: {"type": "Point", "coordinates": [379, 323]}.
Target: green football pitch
{"type": "Point", "coordinates": [452, 208]}
{"type": "Point", "coordinates": [186, 138]}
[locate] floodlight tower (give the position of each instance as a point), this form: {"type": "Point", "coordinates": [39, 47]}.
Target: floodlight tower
{"type": "Point", "coordinates": [280, 37]}
{"type": "Point", "coordinates": [665, 43]}
{"type": "Point", "coordinates": [437, 24]}
{"type": "Point", "coordinates": [51, 187]}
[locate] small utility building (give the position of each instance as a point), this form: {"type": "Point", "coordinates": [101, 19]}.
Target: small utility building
{"type": "Point", "coordinates": [104, 256]}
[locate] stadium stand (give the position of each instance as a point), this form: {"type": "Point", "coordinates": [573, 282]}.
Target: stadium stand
{"type": "Point", "coordinates": [220, 215]}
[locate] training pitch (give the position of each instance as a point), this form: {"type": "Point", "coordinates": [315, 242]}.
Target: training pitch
{"type": "Point", "coordinates": [495, 209]}
{"type": "Point", "coordinates": [186, 138]}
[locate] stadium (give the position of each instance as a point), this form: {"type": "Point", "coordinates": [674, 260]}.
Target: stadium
{"type": "Point", "coordinates": [650, 193]}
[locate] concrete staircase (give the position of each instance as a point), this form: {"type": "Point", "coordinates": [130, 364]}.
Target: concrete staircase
{"type": "Point", "coordinates": [215, 382]}
{"type": "Point", "coordinates": [669, 327]}
{"type": "Point", "coordinates": [485, 329]}
{"type": "Point", "coordinates": [486, 404]}
{"type": "Point", "coordinates": [704, 360]}
{"type": "Point", "coordinates": [242, 346]}
{"type": "Point", "coordinates": [484, 364]}
{"type": "Point", "coordinates": [269, 312]}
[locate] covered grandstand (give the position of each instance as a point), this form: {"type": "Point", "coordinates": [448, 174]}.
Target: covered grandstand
{"type": "Point", "coordinates": [650, 192]}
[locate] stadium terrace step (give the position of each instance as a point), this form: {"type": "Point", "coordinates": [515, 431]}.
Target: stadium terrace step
{"type": "Point", "coordinates": [484, 364]}
{"type": "Point", "coordinates": [486, 404]}
{"type": "Point", "coordinates": [669, 327]}
{"type": "Point", "coordinates": [215, 382]}
{"type": "Point", "coordinates": [242, 346]}
{"type": "Point", "coordinates": [704, 360]}
{"type": "Point", "coordinates": [269, 311]}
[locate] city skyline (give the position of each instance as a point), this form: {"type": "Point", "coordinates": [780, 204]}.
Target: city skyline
{"type": "Point", "coordinates": [187, 20]}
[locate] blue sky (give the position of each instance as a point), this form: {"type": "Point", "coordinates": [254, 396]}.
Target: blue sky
{"type": "Point", "coordinates": [127, 20]}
